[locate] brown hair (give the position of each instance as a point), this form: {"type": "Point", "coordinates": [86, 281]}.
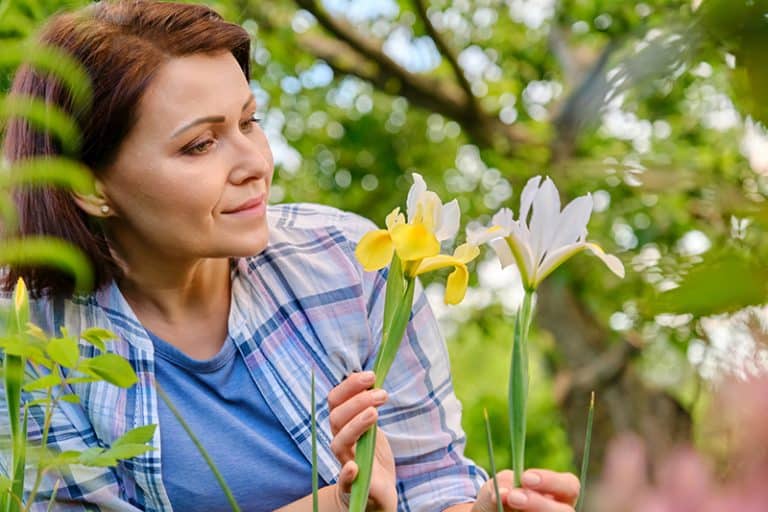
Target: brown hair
{"type": "Point", "coordinates": [121, 45]}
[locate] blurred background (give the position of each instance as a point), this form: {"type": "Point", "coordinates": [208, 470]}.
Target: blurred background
{"type": "Point", "coordinates": [658, 108]}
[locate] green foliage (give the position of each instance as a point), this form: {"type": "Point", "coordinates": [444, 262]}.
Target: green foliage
{"type": "Point", "coordinates": [55, 364]}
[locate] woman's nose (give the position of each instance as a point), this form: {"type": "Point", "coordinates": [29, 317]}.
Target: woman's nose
{"type": "Point", "coordinates": [253, 159]}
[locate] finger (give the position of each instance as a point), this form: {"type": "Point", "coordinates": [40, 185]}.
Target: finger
{"type": "Point", "coordinates": [563, 487]}
{"type": "Point", "coordinates": [344, 412]}
{"type": "Point", "coordinates": [347, 476]}
{"type": "Point", "coordinates": [352, 385]}
{"type": "Point", "coordinates": [532, 501]}
{"type": "Point", "coordinates": [343, 443]}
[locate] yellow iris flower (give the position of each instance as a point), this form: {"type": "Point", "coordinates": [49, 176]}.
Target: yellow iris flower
{"type": "Point", "coordinates": [417, 241]}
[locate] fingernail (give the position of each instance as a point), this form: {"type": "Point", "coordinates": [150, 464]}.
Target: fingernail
{"type": "Point", "coordinates": [379, 396]}
{"type": "Point", "coordinates": [531, 479]}
{"type": "Point", "coordinates": [367, 377]}
{"type": "Point", "coordinates": [517, 498]}
{"type": "Point", "coordinates": [369, 414]}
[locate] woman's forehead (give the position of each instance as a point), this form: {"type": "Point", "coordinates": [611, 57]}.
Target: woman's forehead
{"type": "Point", "coordinates": [194, 86]}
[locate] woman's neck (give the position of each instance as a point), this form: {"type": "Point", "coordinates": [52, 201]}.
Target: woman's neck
{"type": "Point", "coordinates": [187, 307]}
{"type": "Point", "coordinates": [177, 291]}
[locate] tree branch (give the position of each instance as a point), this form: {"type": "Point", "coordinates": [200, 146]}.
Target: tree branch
{"type": "Point", "coordinates": [349, 52]}
{"type": "Point", "coordinates": [446, 52]}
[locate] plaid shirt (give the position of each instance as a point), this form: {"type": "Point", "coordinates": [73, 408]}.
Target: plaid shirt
{"type": "Point", "coordinates": [303, 303]}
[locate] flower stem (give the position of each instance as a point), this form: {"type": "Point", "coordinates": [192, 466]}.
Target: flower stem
{"type": "Point", "coordinates": [392, 336]}
{"type": "Point", "coordinates": [518, 385]}
{"type": "Point", "coordinates": [585, 457]}
{"type": "Point", "coordinates": [224, 487]}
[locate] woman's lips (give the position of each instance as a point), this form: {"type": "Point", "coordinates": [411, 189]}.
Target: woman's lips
{"type": "Point", "coordinates": [257, 205]}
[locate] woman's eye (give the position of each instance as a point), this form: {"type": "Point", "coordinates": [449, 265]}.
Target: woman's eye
{"type": "Point", "coordinates": [248, 124]}
{"type": "Point", "coordinates": [200, 148]}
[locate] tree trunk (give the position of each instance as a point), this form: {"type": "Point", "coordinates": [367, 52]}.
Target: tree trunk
{"type": "Point", "coordinates": [591, 359]}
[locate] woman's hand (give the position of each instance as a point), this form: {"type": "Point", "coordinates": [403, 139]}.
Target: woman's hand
{"type": "Point", "coordinates": [353, 410]}
{"type": "Point", "coordinates": [543, 491]}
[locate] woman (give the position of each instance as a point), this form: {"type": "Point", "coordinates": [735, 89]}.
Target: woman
{"type": "Point", "coordinates": [225, 303]}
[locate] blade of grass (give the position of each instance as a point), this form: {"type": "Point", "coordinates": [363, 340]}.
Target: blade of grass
{"type": "Point", "coordinates": [315, 479]}
{"type": "Point", "coordinates": [585, 457]}
{"type": "Point", "coordinates": [219, 478]}
{"type": "Point", "coordinates": [52, 501]}
{"type": "Point", "coordinates": [489, 442]}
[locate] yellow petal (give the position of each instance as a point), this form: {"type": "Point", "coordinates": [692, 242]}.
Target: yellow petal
{"type": "Point", "coordinates": [435, 263]}
{"type": "Point", "coordinates": [466, 252]}
{"type": "Point", "coordinates": [20, 296]}
{"type": "Point", "coordinates": [374, 250]}
{"type": "Point", "coordinates": [456, 285]}
{"type": "Point", "coordinates": [414, 242]}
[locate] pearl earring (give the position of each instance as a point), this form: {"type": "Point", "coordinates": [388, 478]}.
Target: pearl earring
{"type": "Point", "coordinates": [104, 209]}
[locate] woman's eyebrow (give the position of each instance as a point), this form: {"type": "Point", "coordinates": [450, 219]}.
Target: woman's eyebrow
{"type": "Point", "coordinates": [210, 119]}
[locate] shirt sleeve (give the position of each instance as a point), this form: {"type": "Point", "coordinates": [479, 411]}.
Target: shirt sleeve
{"type": "Point", "coordinates": [422, 418]}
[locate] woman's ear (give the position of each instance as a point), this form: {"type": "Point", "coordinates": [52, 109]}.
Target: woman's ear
{"type": "Point", "coordinates": [95, 203]}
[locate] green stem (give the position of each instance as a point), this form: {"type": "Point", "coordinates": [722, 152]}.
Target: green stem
{"type": "Point", "coordinates": [393, 335]}
{"type": "Point", "coordinates": [224, 487]}
{"type": "Point", "coordinates": [585, 457]}
{"type": "Point", "coordinates": [49, 405]}
{"type": "Point", "coordinates": [13, 368]}
{"type": "Point", "coordinates": [315, 479]}
{"type": "Point", "coordinates": [489, 442]}
{"type": "Point", "coordinates": [518, 385]}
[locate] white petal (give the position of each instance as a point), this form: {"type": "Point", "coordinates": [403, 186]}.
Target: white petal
{"type": "Point", "coordinates": [546, 211]}
{"type": "Point", "coordinates": [414, 195]}
{"type": "Point", "coordinates": [503, 218]}
{"type": "Point", "coordinates": [526, 198]}
{"type": "Point", "coordinates": [448, 224]}
{"type": "Point", "coordinates": [611, 261]}
{"type": "Point", "coordinates": [479, 236]}
{"type": "Point", "coordinates": [521, 251]}
{"type": "Point", "coordinates": [556, 258]}
{"type": "Point", "coordinates": [572, 223]}
{"type": "Point", "coordinates": [503, 251]}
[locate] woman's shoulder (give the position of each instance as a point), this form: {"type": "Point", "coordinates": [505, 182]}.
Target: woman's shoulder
{"type": "Point", "coordinates": [312, 220]}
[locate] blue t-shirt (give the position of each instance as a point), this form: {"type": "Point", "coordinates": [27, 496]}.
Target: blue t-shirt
{"type": "Point", "coordinates": [225, 409]}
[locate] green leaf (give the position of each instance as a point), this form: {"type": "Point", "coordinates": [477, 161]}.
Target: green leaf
{"type": "Point", "coordinates": [44, 382]}
{"type": "Point", "coordinates": [44, 117]}
{"type": "Point", "coordinates": [518, 385]}
{"type": "Point", "coordinates": [55, 61]}
{"type": "Point", "coordinates": [64, 351]}
{"type": "Point", "coordinates": [722, 284]}
{"type": "Point", "coordinates": [95, 456]}
{"type": "Point", "coordinates": [97, 336]}
{"type": "Point", "coordinates": [82, 380]}
{"type": "Point", "coordinates": [49, 171]}
{"type": "Point", "coordinates": [64, 458]}
{"type": "Point", "coordinates": [127, 451]}
{"type": "Point", "coordinates": [48, 251]}
{"type": "Point", "coordinates": [70, 398]}
{"type": "Point", "coordinates": [5, 484]}
{"type": "Point", "coordinates": [394, 331]}
{"type": "Point", "coordinates": [112, 368]}
{"type": "Point", "coordinates": [136, 436]}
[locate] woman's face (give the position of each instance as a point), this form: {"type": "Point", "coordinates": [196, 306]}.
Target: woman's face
{"type": "Point", "coordinates": [192, 177]}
